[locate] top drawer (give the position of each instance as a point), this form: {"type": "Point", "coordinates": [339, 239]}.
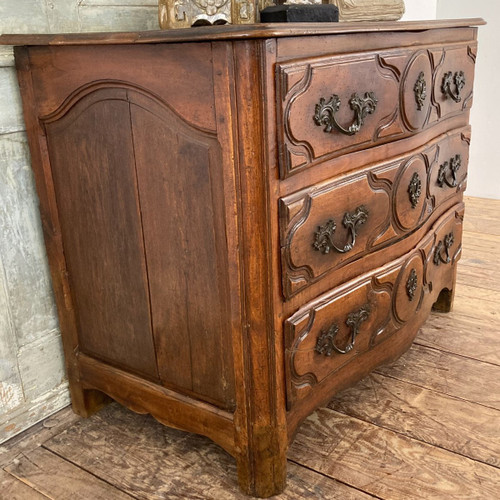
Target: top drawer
{"type": "Point", "coordinates": [333, 105]}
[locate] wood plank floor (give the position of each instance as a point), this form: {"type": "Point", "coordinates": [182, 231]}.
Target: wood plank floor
{"type": "Point", "coordinates": [426, 426]}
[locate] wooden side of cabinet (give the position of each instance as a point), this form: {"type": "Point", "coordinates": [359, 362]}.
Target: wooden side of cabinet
{"type": "Point", "coordinates": [135, 165]}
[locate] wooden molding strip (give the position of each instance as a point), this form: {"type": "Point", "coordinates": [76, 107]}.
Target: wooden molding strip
{"type": "Point", "coordinates": [232, 32]}
{"type": "Point", "coordinates": [164, 405]}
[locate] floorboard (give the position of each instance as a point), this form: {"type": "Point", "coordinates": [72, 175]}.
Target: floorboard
{"type": "Point", "coordinates": [387, 464]}
{"type": "Point", "coordinates": [453, 424]}
{"type": "Point", "coordinates": [141, 457]}
{"type": "Point", "coordinates": [58, 478]}
{"type": "Point", "coordinates": [426, 426]}
{"type": "Point", "coordinates": [450, 374]}
{"type": "Point", "coordinates": [13, 489]}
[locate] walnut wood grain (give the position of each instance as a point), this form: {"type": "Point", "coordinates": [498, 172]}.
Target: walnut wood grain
{"type": "Point", "coordinates": [389, 306]}
{"type": "Point", "coordinates": [233, 32]}
{"type": "Point", "coordinates": [84, 402]}
{"type": "Point", "coordinates": [103, 244]}
{"type": "Point", "coordinates": [159, 461]}
{"type": "Point", "coordinates": [165, 405]}
{"type": "Point", "coordinates": [391, 213]}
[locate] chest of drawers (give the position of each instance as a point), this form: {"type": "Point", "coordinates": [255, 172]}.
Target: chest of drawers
{"type": "Point", "coordinates": [242, 221]}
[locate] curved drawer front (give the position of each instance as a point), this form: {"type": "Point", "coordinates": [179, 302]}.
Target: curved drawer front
{"type": "Point", "coordinates": [331, 224]}
{"type": "Point", "coordinates": [330, 106]}
{"type": "Point", "coordinates": [332, 331]}
{"type": "Point", "coordinates": [453, 80]}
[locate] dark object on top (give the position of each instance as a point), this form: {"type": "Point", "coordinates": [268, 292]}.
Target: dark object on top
{"type": "Point", "coordinates": [323, 13]}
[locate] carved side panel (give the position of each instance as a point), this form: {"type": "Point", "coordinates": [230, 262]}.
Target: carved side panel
{"type": "Point", "coordinates": [141, 208]}
{"type": "Point", "coordinates": [92, 160]}
{"type": "Point", "coordinates": [180, 187]}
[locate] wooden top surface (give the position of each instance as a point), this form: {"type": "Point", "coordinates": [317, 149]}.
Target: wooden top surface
{"type": "Point", "coordinates": [232, 32]}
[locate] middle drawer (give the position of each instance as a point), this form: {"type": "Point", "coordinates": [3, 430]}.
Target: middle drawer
{"type": "Point", "coordinates": [328, 225]}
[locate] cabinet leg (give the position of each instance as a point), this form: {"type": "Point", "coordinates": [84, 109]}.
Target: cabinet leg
{"type": "Point", "coordinates": [85, 402]}
{"type": "Point", "coordinates": [262, 471]}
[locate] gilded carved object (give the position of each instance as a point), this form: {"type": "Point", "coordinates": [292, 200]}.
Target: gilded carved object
{"type": "Point", "coordinates": [186, 13]}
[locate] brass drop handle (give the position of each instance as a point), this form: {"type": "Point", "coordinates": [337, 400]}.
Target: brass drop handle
{"type": "Point", "coordinates": [323, 237]}
{"type": "Point", "coordinates": [325, 344]}
{"type": "Point", "coordinates": [448, 80]}
{"type": "Point", "coordinates": [362, 106]}
{"type": "Point", "coordinates": [445, 245]}
{"type": "Point", "coordinates": [453, 167]}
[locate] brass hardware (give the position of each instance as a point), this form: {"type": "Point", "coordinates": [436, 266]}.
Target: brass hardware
{"type": "Point", "coordinates": [420, 89]}
{"type": "Point", "coordinates": [362, 106]}
{"type": "Point", "coordinates": [453, 166]}
{"type": "Point", "coordinates": [411, 284]}
{"type": "Point", "coordinates": [414, 189]}
{"type": "Point", "coordinates": [326, 341]}
{"type": "Point", "coordinates": [446, 245]}
{"type": "Point", "coordinates": [323, 238]}
{"type": "Point", "coordinates": [458, 79]}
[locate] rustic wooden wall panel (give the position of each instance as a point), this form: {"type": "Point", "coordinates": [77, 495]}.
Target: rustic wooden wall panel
{"type": "Point", "coordinates": [32, 377]}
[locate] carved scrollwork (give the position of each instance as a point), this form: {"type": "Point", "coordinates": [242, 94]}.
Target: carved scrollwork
{"type": "Point", "coordinates": [323, 238]}
{"type": "Point", "coordinates": [414, 189]}
{"type": "Point", "coordinates": [326, 341]}
{"type": "Point", "coordinates": [420, 89]}
{"type": "Point", "coordinates": [362, 106]}
{"type": "Point", "coordinates": [453, 166]}
{"type": "Point", "coordinates": [448, 80]}
{"type": "Point", "coordinates": [411, 284]}
{"type": "Point", "coordinates": [446, 246]}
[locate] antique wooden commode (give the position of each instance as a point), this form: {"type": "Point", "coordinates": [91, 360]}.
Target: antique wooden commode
{"type": "Point", "coordinates": [241, 221]}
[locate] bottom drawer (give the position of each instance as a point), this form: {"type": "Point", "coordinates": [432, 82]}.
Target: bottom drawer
{"type": "Point", "coordinates": [329, 333]}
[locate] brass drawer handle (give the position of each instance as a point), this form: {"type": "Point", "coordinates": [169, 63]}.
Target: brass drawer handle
{"type": "Point", "coordinates": [448, 80]}
{"type": "Point", "coordinates": [326, 341]}
{"type": "Point", "coordinates": [323, 237]}
{"type": "Point", "coordinates": [362, 106]}
{"type": "Point", "coordinates": [446, 245]}
{"type": "Point", "coordinates": [453, 166]}
{"type": "Point", "coordinates": [420, 89]}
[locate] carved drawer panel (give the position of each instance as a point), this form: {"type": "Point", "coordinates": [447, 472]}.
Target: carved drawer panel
{"type": "Point", "coordinates": [336, 222]}
{"type": "Point", "coordinates": [454, 78]}
{"type": "Point", "coordinates": [332, 331]}
{"type": "Point", "coordinates": [333, 105]}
